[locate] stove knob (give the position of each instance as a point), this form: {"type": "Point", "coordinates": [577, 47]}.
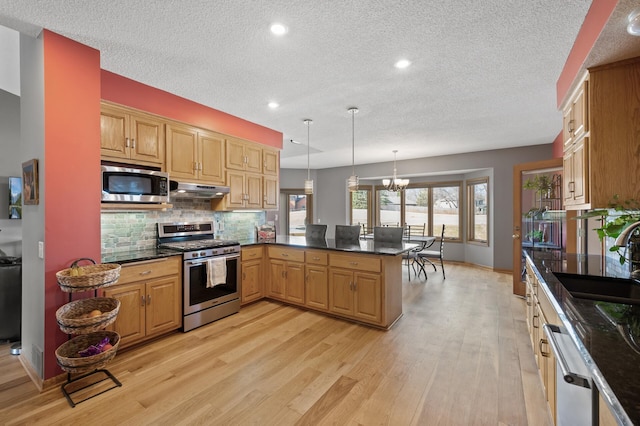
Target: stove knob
{"type": "Point", "coordinates": [203, 253]}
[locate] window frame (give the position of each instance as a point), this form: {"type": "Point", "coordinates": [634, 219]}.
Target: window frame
{"type": "Point", "coordinates": [471, 184]}
{"type": "Point", "coordinates": [369, 191]}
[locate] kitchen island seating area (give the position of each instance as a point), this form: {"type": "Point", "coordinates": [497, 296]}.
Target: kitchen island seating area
{"type": "Point", "coordinates": [348, 234]}
{"type": "Point", "coordinates": [427, 255]}
{"type": "Point", "coordinates": [315, 232]}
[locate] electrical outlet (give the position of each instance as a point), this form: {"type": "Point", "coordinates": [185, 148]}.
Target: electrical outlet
{"type": "Point", "coordinates": [41, 249]}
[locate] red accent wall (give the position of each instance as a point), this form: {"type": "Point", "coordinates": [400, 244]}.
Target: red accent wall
{"type": "Point", "coordinates": [71, 170]}
{"type": "Point", "coordinates": [124, 91]}
{"type": "Point", "coordinates": [594, 22]}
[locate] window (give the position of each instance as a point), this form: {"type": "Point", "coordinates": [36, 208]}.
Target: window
{"type": "Point", "coordinates": [478, 217]}
{"type": "Point", "coordinates": [389, 207]}
{"type": "Point", "coordinates": [416, 207]}
{"type": "Point", "coordinates": [361, 208]}
{"type": "Point", "coordinates": [299, 210]}
{"type": "Point", "coordinates": [446, 211]}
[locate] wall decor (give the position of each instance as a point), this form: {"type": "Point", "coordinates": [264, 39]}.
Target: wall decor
{"type": "Point", "coordinates": [15, 198]}
{"type": "Point", "coordinates": [30, 182]}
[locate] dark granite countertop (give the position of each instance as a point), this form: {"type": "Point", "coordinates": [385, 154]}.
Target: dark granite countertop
{"type": "Point", "coordinates": [130, 256]}
{"type": "Point", "coordinates": [364, 246]}
{"type": "Point", "coordinates": [614, 364]}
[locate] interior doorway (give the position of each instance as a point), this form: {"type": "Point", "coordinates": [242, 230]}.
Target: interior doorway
{"type": "Point", "coordinates": [296, 209]}
{"type": "Point", "coordinates": [539, 218]}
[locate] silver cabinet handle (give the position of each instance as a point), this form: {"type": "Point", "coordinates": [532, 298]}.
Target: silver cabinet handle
{"type": "Point", "coordinates": [285, 254]}
{"type": "Point", "coordinates": [570, 128]}
{"type": "Point", "coordinates": [542, 352]}
{"type": "Point", "coordinates": [569, 376]}
{"type": "Point", "coordinates": [126, 142]}
{"type": "Point", "coordinates": [142, 301]}
{"type": "Point", "coordinates": [145, 272]}
{"type": "Point", "coordinates": [133, 143]}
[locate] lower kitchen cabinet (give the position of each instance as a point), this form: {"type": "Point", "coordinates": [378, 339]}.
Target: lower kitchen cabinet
{"type": "Point", "coordinates": [286, 274]}
{"type": "Point", "coordinates": [541, 312]}
{"type": "Point", "coordinates": [251, 267]}
{"type": "Point", "coordinates": [355, 294]}
{"type": "Point", "coordinates": [316, 280]}
{"type": "Point", "coordinates": [150, 294]}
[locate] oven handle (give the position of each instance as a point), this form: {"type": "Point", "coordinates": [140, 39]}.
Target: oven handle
{"type": "Point", "coordinates": [569, 376]}
{"type": "Point", "coordinates": [201, 262]}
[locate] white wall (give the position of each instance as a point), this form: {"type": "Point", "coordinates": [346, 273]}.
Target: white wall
{"type": "Point", "coordinates": [10, 63]}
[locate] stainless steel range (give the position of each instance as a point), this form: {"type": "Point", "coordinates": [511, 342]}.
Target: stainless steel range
{"type": "Point", "coordinates": [210, 272]}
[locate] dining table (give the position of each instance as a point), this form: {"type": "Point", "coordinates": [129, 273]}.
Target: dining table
{"type": "Point", "coordinates": [423, 241]}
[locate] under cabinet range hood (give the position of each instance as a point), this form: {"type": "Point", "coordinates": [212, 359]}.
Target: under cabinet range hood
{"type": "Point", "coordinates": [197, 190]}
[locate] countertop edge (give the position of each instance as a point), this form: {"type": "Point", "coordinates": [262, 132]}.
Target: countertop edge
{"type": "Point", "coordinates": [603, 387]}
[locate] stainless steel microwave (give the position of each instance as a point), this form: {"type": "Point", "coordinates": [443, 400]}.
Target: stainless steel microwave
{"type": "Point", "coordinates": [128, 185]}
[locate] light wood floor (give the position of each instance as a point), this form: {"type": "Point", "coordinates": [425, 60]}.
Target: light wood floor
{"type": "Point", "coordinates": [460, 355]}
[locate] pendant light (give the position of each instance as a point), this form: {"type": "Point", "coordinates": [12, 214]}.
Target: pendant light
{"type": "Point", "coordinates": [308, 184]}
{"type": "Point", "coordinates": [394, 184]}
{"type": "Point", "coordinates": [353, 179]}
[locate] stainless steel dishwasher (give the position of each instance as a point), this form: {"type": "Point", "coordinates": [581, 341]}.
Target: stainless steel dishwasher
{"type": "Point", "coordinates": [575, 390]}
{"type": "Point", "coordinates": [10, 297]}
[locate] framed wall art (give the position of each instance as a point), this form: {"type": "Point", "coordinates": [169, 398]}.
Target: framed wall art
{"type": "Point", "coordinates": [30, 182]}
{"type": "Point", "coordinates": [15, 198]}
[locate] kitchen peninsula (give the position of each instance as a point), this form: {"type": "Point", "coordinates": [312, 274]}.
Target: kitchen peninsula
{"type": "Point", "coordinates": [361, 282]}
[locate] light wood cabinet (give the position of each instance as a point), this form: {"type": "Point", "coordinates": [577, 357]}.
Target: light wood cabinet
{"type": "Point", "coordinates": [317, 279]}
{"type": "Point", "coordinates": [244, 155]}
{"type": "Point", "coordinates": [286, 274]}
{"type": "Point", "coordinates": [540, 312]}
{"type": "Point", "coordinates": [130, 136]}
{"type": "Point", "coordinates": [150, 294]}
{"type": "Point", "coordinates": [600, 136]}
{"type": "Point", "coordinates": [271, 161]}
{"type": "Point", "coordinates": [248, 191]}
{"type": "Point", "coordinates": [251, 268]}
{"type": "Point", "coordinates": [195, 155]}
{"type": "Point", "coordinates": [605, 416]}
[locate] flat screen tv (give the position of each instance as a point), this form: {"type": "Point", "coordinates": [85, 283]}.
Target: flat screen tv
{"type": "Point", "coordinates": [15, 198]}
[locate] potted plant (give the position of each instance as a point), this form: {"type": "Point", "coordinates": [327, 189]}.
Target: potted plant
{"type": "Point", "coordinates": [615, 219]}
{"type": "Point", "coordinates": [536, 236]}
{"type": "Point", "coordinates": [542, 184]}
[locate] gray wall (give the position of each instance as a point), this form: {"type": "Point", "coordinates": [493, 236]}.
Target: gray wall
{"type": "Point", "coordinates": [331, 198]}
{"type": "Point", "coordinates": [32, 146]}
{"type": "Point", "coordinates": [10, 161]}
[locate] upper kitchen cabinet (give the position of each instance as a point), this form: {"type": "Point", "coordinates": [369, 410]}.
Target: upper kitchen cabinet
{"type": "Point", "coordinates": [601, 148]}
{"type": "Point", "coordinates": [244, 155]}
{"type": "Point", "coordinates": [195, 155]}
{"type": "Point", "coordinates": [271, 161]}
{"type": "Point", "coordinates": [130, 135]}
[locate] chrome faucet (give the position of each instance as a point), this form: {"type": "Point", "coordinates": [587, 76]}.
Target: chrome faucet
{"type": "Point", "coordinates": [623, 240]}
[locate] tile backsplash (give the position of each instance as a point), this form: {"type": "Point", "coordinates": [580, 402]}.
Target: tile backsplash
{"type": "Point", "coordinates": [124, 231]}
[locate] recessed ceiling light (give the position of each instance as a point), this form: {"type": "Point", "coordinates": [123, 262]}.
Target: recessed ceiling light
{"type": "Point", "coordinates": [402, 63]}
{"type": "Point", "coordinates": [273, 105]}
{"type": "Point", "coordinates": [295, 142]}
{"type": "Point", "coordinates": [279, 29]}
{"type": "Point", "coordinates": [634, 23]}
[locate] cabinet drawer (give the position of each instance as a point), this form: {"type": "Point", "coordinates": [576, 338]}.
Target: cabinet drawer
{"type": "Point", "coordinates": [150, 269]}
{"type": "Point", "coordinates": [251, 253]}
{"type": "Point", "coordinates": [316, 257]}
{"type": "Point", "coordinates": [285, 253]}
{"type": "Point", "coordinates": [547, 308]}
{"type": "Point", "coordinates": [361, 263]}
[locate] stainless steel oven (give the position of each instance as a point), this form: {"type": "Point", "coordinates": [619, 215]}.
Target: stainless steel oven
{"type": "Point", "coordinates": [204, 300]}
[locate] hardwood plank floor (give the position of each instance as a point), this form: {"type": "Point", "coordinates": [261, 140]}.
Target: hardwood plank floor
{"type": "Point", "coordinates": [460, 355]}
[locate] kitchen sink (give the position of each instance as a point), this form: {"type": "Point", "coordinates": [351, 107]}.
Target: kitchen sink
{"type": "Point", "coordinates": [617, 290]}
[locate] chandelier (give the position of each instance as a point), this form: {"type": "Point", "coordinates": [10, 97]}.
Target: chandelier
{"type": "Point", "coordinates": [395, 184]}
{"type": "Point", "coordinates": [308, 184]}
{"type": "Point", "coordinates": [353, 179]}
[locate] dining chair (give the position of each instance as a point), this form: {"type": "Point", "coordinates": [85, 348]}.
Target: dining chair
{"type": "Point", "coordinates": [427, 255]}
{"type": "Point", "coordinates": [315, 232]}
{"type": "Point", "coordinates": [410, 258]}
{"type": "Point", "coordinates": [388, 234]}
{"type": "Point", "coordinates": [348, 234]}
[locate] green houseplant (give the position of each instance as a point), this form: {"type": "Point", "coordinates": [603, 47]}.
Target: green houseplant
{"type": "Point", "coordinates": [615, 218]}
{"type": "Point", "coordinates": [541, 184]}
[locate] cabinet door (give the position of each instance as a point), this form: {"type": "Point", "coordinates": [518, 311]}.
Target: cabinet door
{"type": "Point", "coordinates": [341, 291]}
{"type": "Point", "coordinates": [114, 132]}
{"type": "Point", "coordinates": [182, 152]}
{"type": "Point", "coordinates": [270, 161]}
{"type": "Point", "coordinates": [277, 280]}
{"type": "Point", "coordinates": [235, 154]}
{"type": "Point", "coordinates": [271, 192]}
{"type": "Point", "coordinates": [295, 282]}
{"type": "Point", "coordinates": [316, 287]}
{"type": "Point", "coordinates": [147, 139]}
{"type": "Point", "coordinates": [548, 372]}
{"type": "Point", "coordinates": [368, 297]}
{"type": "Point", "coordinates": [568, 184]}
{"type": "Point", "coordinates": [236, 197]}
{"type": "Point", "coordinates": [130, 322]}
{"type": "Point", "coordinates": [253, 185]}
{"type": "Point", "coordinates": [211, 154]}
{"type": "Point", "coordinates": [253, 155]}
{"type": "Point", "coordinates": [580, 171]}
{"type": "Point", "coordinates": [164, 299]}
{"type": "Point", "coordinates": [251, 284]}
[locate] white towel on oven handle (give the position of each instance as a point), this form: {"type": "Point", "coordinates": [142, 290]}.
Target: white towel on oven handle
{"type": "Point", "coordinates": [216, 272]}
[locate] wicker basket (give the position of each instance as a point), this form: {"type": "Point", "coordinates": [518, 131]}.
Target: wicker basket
{"type": "Point", "coordinates": [90, 277]}
{"type": "Point", "coordinates": [70, 360]}
{"type": "Point", "coordinates": [70, 318]}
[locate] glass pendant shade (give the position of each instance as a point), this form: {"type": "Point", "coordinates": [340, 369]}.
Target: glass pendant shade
{"type": "Point", "coordinates": [308, 183]}
{"type": "Point", "coordinates": [352, 183]}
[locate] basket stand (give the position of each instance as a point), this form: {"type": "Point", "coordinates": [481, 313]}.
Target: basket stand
{"type": "Point", "coordinates": [71, 380]}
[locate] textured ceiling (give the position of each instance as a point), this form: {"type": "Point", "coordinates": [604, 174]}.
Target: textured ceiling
{"type": "Point", "coordinates": [483, 74]}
